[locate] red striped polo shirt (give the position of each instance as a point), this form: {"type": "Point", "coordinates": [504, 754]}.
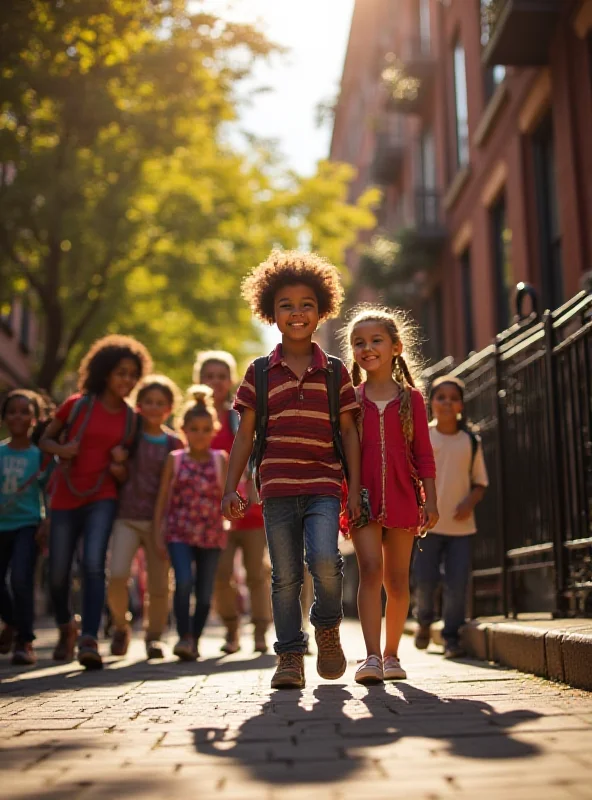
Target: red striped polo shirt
{"type": "Point", "coordinates": [299, 455]}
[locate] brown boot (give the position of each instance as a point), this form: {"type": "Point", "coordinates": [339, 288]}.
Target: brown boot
{"type": "Point", "coordinates": [260, 642]}
{"type": "Point", "coordinates": [290, 672]}
{"type": "Point", "coordinates": [88, 653]}
{"type": "Point", "coordinates": [232, 643]}
{"type": "Point", "coordinates": [121, 640]}
{"type": "Point", "coordinates": [422, 637]}
{"type": "Point", "coordinates": [331, 663]}
{"type": "Point", "coordinates": [24, 654]}
{"type": "Point", "coordinates": [64, 650]}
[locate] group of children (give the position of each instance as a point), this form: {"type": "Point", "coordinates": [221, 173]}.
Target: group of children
{"type": "Point", "coordinates": [306, 436]}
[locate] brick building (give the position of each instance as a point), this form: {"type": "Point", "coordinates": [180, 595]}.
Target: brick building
{"type": "Point", "coordinates": [17, 340]}
{"type": "Point", "coordinates": [475, 116]}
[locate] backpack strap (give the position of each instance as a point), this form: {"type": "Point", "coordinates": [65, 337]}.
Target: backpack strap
{"type": "Point", "coordinates": [132, 427]}
{"type": "Point", "coordinates": [233, 420]}
{"type": "Point", "coordinates": [84, 401]}
{"type": "Point", "coordinates": [475, 444]}
{"type": "Point", "coordinates": [177, 458]}
{"type": "Point", "coordinates": [261, 416]}
{"type": "Point", "coordinates": [333, 377]}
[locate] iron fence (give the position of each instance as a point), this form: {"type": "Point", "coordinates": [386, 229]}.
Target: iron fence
{"type": "Point", "coordinates": [530, 394]}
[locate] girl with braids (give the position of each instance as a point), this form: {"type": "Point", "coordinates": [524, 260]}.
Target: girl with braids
{"type": "Point", "coordinates": [188, 519]}
{"type": "Point", "coordinates": [398, 471]}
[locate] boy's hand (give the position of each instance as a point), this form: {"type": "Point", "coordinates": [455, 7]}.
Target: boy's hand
{"type": "Point", "coordinates": [69, 450]}
{"type": "Point", "coordinates": [353, 506]}
{"type": "Point", "coordinates": [232, 506]}
{"type": "Point", "coordinates": [431, 516]}
{"type": "Point", "coordinates": [464, 510]}
{"type": "Point", "coordinates": [119, 472]}
{"type": "Point", "coordinates": [119, 454]}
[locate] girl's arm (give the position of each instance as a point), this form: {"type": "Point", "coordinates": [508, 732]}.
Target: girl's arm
{"type": "Point", "coordinates": [423, 458]}
{"type": "Point", "coordinates": [161, 502]}
{"type": "Point", "coordinates": [351, 446]}
{"type": "Point", "coordinates": [431, 505]}
{"type": "Point", "coordinates": [49, 442]}
{"type": "Point", "coordinates": [239, 456]}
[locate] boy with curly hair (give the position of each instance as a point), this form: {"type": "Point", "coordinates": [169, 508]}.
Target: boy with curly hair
{"type": "Point", "coordinates": [89, 434]}
{"type": "Point", "coordinates": [300, 472]}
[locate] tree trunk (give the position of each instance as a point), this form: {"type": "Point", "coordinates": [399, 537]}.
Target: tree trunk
{"type": "Point", "coordinates": [53, 359]}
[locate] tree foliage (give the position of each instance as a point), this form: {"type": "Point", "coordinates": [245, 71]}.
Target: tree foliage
{"type": "Point", "coordinates": [124, 204]}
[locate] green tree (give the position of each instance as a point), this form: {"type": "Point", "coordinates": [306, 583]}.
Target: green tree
{"type": "Point", "coordinates": [122, 204]}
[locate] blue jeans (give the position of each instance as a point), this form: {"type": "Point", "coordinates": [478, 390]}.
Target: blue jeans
{"type": "Point", "coordinates": [18, 550]}
{"type": "Point", "coordinates": [92, 522]}
{"type": "Point", "coordinates": [187, 579]}
{"type": "Point", "coordinates": [295, 525]}
{"type": "Point", "coordinates": [453, 553]}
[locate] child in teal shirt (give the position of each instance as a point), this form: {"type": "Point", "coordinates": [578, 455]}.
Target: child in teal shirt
{"type": "Point", "coordinates": [22, 510]}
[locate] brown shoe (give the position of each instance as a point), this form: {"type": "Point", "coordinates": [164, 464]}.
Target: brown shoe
{"type": "Point", "coordinates": [331, 663]}
{"type": "Point", "coordinates": [260, 642]}
{"type": "Point", "coordinates": [155, 649]}
{"type": "Point", "coordinates": [422, 637]}
{"type": "Point", "coordinates": [64, 649]}
{"type": "Point", "coordinates": [232, 643]}
{"type": "Point", "coordinates": [88, 653]}
{"type": "Point", "coordinates": [290, 672]}
{"type": "Point", "coordinates": [121, 641]}
{"type": "Point", "coordinates": [24, 655]}
{"type": "Point", "coordinates": [186, 649]}
{"type": "Point", "coordinates": [6, 639]}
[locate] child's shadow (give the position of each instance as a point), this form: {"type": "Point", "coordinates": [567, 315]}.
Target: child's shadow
{"type": "Point", "coordinates": [326, 737]}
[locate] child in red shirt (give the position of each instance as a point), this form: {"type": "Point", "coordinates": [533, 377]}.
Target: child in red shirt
{"type": "Point", "coordinates": [84, 496]}
{"type": "Point", "coordinates": [396, 457]}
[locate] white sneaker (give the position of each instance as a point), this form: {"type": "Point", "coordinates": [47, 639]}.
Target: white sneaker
{"type": "Point", "coordinates": [392, 669]}
{"type": "Point", "coordinates": [370, 671]}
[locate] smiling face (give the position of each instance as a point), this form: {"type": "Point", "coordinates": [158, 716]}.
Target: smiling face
{"type": "Point", "coordinates": [155, 406]}
{"type": "Point", "coordinates": [199, 432]}
{"type": "Point", "coordinates": [296, 311]}
{"type": "Point", "coordinates": [216, 375]}
{"type": "Point", "coordinates": [373, 347]}
{"type": "Point", "coordinates": [123, 378]}
{"type": "Point", "coordinates": [19, 416]}
{"type": "Point", "coordinates": [447, 403]}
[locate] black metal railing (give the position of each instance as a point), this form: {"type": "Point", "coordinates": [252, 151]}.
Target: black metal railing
{"type": "Point", "coordinates": [427, 210]}
{"type": "Point", "coordinates": [530, 394]}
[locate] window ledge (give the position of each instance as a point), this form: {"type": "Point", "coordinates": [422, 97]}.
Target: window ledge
{"type": "Point", "coordinates": [458, 183]}
{"type": "Point", "coordinates": [490, 114]}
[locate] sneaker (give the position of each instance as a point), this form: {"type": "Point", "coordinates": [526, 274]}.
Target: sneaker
{"type": "Point", "coordinates": [453, 650]}
{"type": "Point", "coordinates": [24, 655]}
{"type": "Point", "coordinates": [422, 637]}
{"type": "Point", "coordinates": [185, 649]}
{"type": "Point", "coordinates": [6, 639]}
{"type": "Point", "coordinates": [232, 643]}
{"type": "Point", "coordinates": [290, 672]}
{"type": "Point", "coordinates": [155, 649]}
{"type": "Point", "coordinates": [88, 653]}
{"type": "Point", "coordinates": [64, 649]}
{"type": "Point", "coordinates": [393, 671]}
{"type": "Point", "coordinates": [260, 641]}
{"type": "Point", "coordinates": [121, 641]}
{"type": "Point", "coordinates": [370, 671]}
{"type": "Point", "coordinates": [331, 663]}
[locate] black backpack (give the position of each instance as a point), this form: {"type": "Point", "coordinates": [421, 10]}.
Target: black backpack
{"type": "Point", "coordinates": [333, 377]}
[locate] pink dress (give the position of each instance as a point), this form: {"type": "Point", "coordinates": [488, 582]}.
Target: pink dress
{"type": "Point", "coordinates": [385, 466]}
{"type": "Point", "coordinates": [193, 515]}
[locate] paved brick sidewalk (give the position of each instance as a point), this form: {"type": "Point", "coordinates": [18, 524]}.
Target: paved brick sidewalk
{"type": "Point", "coordinates": [214, 730]}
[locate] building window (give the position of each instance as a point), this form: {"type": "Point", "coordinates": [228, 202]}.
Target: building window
{"type": "Point", "coordinates": [425, 34]}
{"type": "Point", "coordinates": [461, 106]}
{"type": "Point", "coordinates": [502, 259]}
{"type": "Point", "coordinates": [548, 214]}
{"type": "Point", "coordinates": [496, 74]}
{"type": "Point", "coordinates": [432, 319]}
{"type": "Point", "coordinates": [25, 327]}
{"type": "Point", "coordinates": [466, 283]}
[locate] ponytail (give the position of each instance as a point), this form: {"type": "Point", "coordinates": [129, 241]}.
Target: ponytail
{"type": "Point", "coordinates": [201, 404]}
{"type": "Point", "coordinates": [406, 372]}
{"type": "Point", "coordinates": [356, 374]}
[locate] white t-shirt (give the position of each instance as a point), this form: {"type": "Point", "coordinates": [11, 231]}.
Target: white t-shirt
{"type": "Point", "coordinates": [454, 478]}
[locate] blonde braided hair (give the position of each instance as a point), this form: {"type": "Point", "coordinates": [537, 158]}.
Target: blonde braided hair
{"type": "Point", "coordinates": [402, 331]}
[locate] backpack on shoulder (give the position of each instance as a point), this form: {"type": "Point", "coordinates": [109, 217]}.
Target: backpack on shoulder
{"type": "Point", "coordinates": [333, 378]}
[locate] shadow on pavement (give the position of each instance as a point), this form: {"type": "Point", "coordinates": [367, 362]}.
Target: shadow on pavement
{"type": "Point", "coordinates": [320, 742]}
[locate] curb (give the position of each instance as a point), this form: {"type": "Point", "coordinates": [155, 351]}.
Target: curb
{"type": "Point", "coordinates": [556, 654]}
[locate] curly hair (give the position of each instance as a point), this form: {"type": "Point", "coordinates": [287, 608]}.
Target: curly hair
{"type": "Point", "coordinates": [405, 367]}
{"type": "Point", "coordinates": [104, 355]}
{"type": "Point", "coordinates": [287, 268]}
{"type": "Point", "coordinates": [165, 385]}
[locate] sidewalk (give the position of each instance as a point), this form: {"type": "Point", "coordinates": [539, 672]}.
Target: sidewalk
{"type": "Point", "coordinates": [215, 730]}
